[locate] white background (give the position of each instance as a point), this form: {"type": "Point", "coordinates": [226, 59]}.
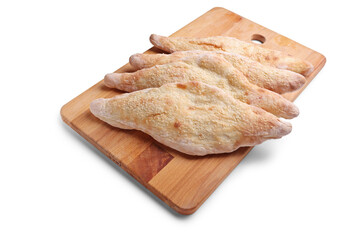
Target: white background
{"type": "Point", "coordinates": [55, 185]}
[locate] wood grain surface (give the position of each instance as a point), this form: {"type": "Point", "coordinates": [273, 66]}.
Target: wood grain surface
{"type": "Point", "coordinates": [183, 182]}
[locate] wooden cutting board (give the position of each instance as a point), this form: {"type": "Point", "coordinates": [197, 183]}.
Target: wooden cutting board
{"type": "Point", "coordinates": [181, 181]}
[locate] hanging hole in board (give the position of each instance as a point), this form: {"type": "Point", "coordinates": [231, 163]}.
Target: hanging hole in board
{"type": "Point", "coordinates": [258, 39]}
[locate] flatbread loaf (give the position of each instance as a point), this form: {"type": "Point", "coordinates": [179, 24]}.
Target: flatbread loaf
{"type": "Point", "coordinates": [193, 117]}
{"type": "Point", "coordinates": [274, 79]}
{"type": "Point", "coordinates": [229, 44]}
{"type": "Point", "coordinates": [210, 69]}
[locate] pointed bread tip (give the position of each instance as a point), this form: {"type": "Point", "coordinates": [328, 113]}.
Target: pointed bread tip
{"type": "Point", "coordinates": [309, 69]}
{"type": "Point", "coordinates": [292, 111]}
{"type": "Point", "coordinates": [281, 129]}
{"type": "Point", "coordinates": [136, 61]}
{"type": "Point", "coordinates": [110, 80]}
{"type": "Point", "coordinates": [299, 81]}
{"type": "Point", "coordinates": [97, 107]}
{"type": "Point", "coordinates": [284, 128]}
{"type": "Point", "coordinates": [154, 39]}
{"type": "Point", "coordinates": [157, 40]}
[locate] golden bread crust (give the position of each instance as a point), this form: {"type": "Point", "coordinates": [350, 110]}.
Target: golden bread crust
{"type": "Point", "coordinates": [210, 69]}
{"type": "Point", "coordinates": [193, 117]}
{"type": "Point", "coordinates": [274, 79]}
{"type": "Point", "coordinates": [229, 44]}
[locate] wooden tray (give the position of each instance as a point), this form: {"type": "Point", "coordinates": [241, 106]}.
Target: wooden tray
{"type": "Point", "coordinates": [181, 181]}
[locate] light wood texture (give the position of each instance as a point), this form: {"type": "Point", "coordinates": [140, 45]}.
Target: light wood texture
{"type": "Point", "coordinates": [183, 182]}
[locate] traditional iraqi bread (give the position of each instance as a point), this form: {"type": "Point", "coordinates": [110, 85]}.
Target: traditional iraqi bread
{"type": "Point", "coordinates": [193, 117]}
{"type": "Point", "coordinates": [229, 44]}
{"type": "Point", "coordinates": [274, 79]}
{"type": "Point", "coordinates": [210, 69]}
